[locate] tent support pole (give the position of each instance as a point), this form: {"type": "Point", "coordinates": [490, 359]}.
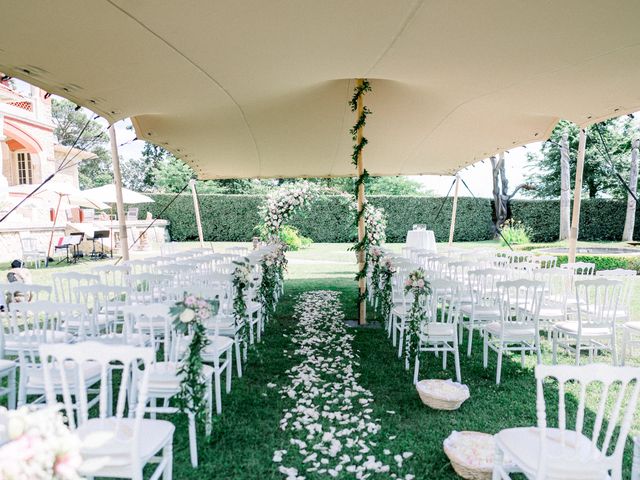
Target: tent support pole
{"type": "Point", "coordinates": [196, 209]}
{"type": "Point", "coordinates": [53, 228]}
{"type": "Point", "coordinates": [362, 282]}
{"type": "Point", "coordinates": [454, 210]}
{"type": "Point", "coordinates": [577, 194]}
{"type": "Point", "coordinates": [117, 176]}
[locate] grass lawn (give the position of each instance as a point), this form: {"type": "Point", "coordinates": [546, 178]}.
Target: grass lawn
{"type": "Point", "coordinates": [246, 434]}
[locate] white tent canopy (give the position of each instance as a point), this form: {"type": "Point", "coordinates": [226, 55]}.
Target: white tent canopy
{"type": "Point", "coordinates": [260, 89]}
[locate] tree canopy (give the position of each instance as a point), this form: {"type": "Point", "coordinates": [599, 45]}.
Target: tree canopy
{"type": "Point", "coordinates": [68, 123]}
{"type": "Point", "coordinates": [598, 177]}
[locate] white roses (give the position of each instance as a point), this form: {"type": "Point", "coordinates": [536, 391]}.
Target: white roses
{"type": "Point", "coordinates": [187, 315]}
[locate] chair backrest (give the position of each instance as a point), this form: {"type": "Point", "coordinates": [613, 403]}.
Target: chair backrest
{"type": "Point", "coordinates": [519, 257]}
{"type": "Point", "coordinates": [112, 275]}
{"type": "Point", "coordinates": [607, 397]}
{"type": "Point", "coordinates": [140, 266]}
{"type": "Point", "coordinates": [23, 292]}
{"type": "Point", "coordinates": [628, 278]}
{"type": "Point", "coordinates": [130, 388]}
{"type": "Point", "coordinates": [149, 287]}
{"type": "Point", "coordinates": [151, 321]}
{"type": "Point", "coordinates": [545, 261]}
{"type": "Point", "coordinates": [580, 268]}
{"type": "Point", "coordinates": [483, 285]}
{"type": "Point", "coordinates": [65, 285]}
{"type": "Point", "coordinates": [105, 303]}
{"type": "Point", "coordinates": [37, 322]}
{"type": "Point", "coordinates": [558, 283]}
{"type": "Point", "coordinates": [442, 303]}
{"type": "Point", "coordinates": [132, 213]}
{"type": "Point", "coordinates": [598, 300]}
{"type": "Point", "coordinates": [519, 302]}
{"type": "Point", "coordinates": [29, 244]}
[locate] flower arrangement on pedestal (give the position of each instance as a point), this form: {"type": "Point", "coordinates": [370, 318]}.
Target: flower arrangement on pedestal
{"type": "Point", "coordinates": [38, 445]}
{"type": "Point", "coordinates": [417, 286]}
{"type": "Point", "coordinates": [190, 316]}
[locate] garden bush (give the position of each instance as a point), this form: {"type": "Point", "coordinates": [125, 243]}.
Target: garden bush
{"type": "Point", "coordinates": [329, 219]}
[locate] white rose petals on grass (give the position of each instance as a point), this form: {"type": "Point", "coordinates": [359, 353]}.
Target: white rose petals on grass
{"type": "Point", "coordinates": [331, 425]}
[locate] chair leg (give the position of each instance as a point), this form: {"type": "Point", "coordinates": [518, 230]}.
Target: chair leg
{"type": "Point", "coordinates": [400, 341]}
{"type": "Point", "coordinates": [193, 442]}
{"type": "Point", "coordinates": [498, 461]}
{"type": "Point", "coordinates": [499, 370]}
{"type": "Point", "coordinates": [229, 369]}
{"type": "Point", "coordinates": [485, 350]}
{"type": "Point", "coordinates": [614, 353]}
{"type": "Point", "coordinates": [624, 346]}
{"type": "Point", "coordinates": [218, 389]}
{"type": "Point", "coordinates": [167, 454]}
{"type": "Point", "coordinates": [456, 359]}
{"type": "Point", "coordinates": [578, 351]}
{"type": "Point", "coordinates": [416, 370]}
{"type": "Point", "coordinates": [11, 379]}
{"type": "Point", "coordinates": [554, 348]}
{"type": "Point", "coordinates": [470, 339]}
{"type": "Point", "coordinates": [238, 358]}
{"type": "Point", "coordinates": [210, 405]}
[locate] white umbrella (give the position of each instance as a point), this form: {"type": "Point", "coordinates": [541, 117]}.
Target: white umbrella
{"type": "Point", "coordinates": [73, 194]}
{"type": "Point", "coordinates": [107, 194]}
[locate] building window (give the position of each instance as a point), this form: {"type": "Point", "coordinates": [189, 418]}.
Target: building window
{"type": "Point", "coordinates": [25, 172]}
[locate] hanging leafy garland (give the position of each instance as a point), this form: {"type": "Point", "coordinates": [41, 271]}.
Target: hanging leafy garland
{"type": "Point", "coordinates": [361, 247]}
{"type": "Point", "coordinates": [273, 266]}
{"type": "Point", "coordinates": [242, 276]}
{"type": "Point", "coordinates": [385, 298]}
{"type": "Point", "coordinates": [189, 317]}
{"type": "Point", "coordinates": [418, 287]}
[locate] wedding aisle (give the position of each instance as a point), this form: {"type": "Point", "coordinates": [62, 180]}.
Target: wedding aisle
{"type": "Point", "coordinates": [330, 422]}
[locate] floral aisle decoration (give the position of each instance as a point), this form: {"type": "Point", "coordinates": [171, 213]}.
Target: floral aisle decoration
{"type": "Point", "coordinates": [332, 428]}
{"type": "Point", "coordinates": [385, 299]}
{"type": "Point", "coordinates": [190, 316]}
{"type": "Point", "coordinates": [242, 281]}
{"type": "Point", "coordinates": [282, 202]}
{"type": "Point", "coordinates": [375, 254]}
{"type": "Point", "coordinates": [417, 287]}
{"type": "Point", "coordinates": [273, 266]}
{"type": "Point", "coordinates": [38, 445]}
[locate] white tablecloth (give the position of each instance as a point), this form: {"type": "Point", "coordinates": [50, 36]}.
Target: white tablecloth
{"type": "Point", "coordinates": [421, 239]}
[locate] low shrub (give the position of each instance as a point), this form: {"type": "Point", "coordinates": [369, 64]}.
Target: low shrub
{"type": "Point", "coordinates": [514, 233]}
{"type": "Point", "coordinates": [291, 236]}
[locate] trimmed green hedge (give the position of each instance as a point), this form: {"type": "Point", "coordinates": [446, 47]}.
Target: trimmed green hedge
{"type": "Point", "coordinates": [233, 218]}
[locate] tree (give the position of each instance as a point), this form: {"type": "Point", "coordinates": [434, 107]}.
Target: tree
{"type": "Point", "coordinates": [68, 125]}
{"type": "Point", "coordinates": [501, 195]}
{"type": "Point", "coordinates": [172, 175]}
{"type": "Point", "coordinates": [598, 178]}
{"type": "Point", "coordinates": [395, 186]}
{"type": "Point", "coordinates": [630, 220]}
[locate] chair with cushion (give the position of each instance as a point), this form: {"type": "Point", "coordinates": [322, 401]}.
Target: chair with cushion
{"type": "Point", "coordinates": [118, 444]}
{"type": "Point", "coordinates": [589, 445]}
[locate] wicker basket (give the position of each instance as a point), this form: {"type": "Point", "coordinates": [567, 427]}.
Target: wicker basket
{"type": "Point", "coordinates": [462, 467]}
{"type": "Point", "coordinates": [427, 389]}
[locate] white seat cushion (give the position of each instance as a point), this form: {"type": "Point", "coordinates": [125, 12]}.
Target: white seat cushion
{"type": "Point", "coordinates": [572, 329]}
{"type": "Point", "coordinates": [6, 365]}
{"type": "Point", "coordinates": [567, 462]}
{"type": "Point", "coordinates": [219, 343]}
{"type": "Point", "coordinates": [164, 379]}
{"type": "Point", "coordinates": [480, 312]}
{"type": "Point", "coordinates": [437, 330]}
{"type": "Point", "coordinates": [633, 326]}
{"type": "Point", "coordinates": [112, 438]}
{"type": "Point", "coordinates": [511, 332]}
{"type": "Point", "coordinates": [91, 372]}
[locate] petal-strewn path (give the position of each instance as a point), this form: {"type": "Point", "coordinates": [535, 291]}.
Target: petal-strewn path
{"type": "Point", "coordinates": [330, 423]}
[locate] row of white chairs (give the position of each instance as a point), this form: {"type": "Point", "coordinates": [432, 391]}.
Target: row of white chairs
{"type": "Point", "coordinates": [134, 314]}
{"type": "Point", "coordinates": [510, 306]}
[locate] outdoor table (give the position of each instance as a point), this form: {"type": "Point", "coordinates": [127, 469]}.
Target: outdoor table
{"type": "Point", "coordinates": [421, 240]}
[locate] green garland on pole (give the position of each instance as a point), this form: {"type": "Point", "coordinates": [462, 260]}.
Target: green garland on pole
{"type": "Point", "coordinates": [364, 244]}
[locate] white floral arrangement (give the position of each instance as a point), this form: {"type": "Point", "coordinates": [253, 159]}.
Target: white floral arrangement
{"type": "Point", "coordinates": [37, 445]}
{"type": "Point", "coordinates": [282, 202]}
{"type": "Point", "coordinates": [444, 389]}
{"type": "Point", "coordinates": [470, 450]}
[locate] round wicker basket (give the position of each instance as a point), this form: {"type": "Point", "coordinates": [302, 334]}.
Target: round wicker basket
{"type": "Point", "coordinates": [460, 465]}
{"type": "Point", "coordinates": [431, 394]}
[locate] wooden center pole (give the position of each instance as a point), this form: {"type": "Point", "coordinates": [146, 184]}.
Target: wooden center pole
{"type": "Point", "coordinates": [196, 208]}
{"type": "Point", "coordinates": [362, 282]}
{"type": "Point", "coordinates": [53, 229]}
{"type": "Point", "coordinates": [452, 228]}
{"type": "Point", "coordinates": [117, 176]}
{"type": "Point", "coordinates": [577, 194]}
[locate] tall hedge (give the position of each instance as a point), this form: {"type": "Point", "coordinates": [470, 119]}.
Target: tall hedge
{"type": "Point", "coordinates": [233, 217]}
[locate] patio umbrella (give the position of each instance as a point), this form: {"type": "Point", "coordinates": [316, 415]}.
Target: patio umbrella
{"type": "Point", "coordinates": [107, 194]}
{"type": "Point", "coordinates": [61, 190]}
